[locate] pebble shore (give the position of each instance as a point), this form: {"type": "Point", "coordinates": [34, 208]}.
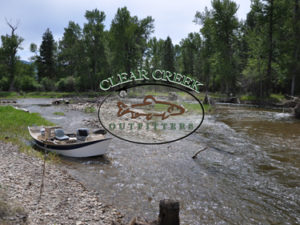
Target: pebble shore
{"type": "Point", "coordinates": [64, 200]}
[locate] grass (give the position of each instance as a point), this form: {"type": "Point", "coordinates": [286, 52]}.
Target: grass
{"type": "Point", "coordinates": [14, 95]}
{"type": "Point", "coordinates": [89, 109]}
{"type": "Point", "coordinates": [13, 128]}
{"type": "Point", "coordinates": [272, 98]}
{"type": "Point", "coordinates": [59, 113]}
{"type": "Point", "coordinates": [277, 97]}
{"type": "Point", "coordinates": [156, 93]}
{"type": "Point", "coordinates": [191, 107]}
{"type": "Point", "coordinates": [194, 107]}
{"type": "Point", "coordinates": [248, 98]}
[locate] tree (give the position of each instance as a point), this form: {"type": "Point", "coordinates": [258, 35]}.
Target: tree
{"type": "Point", "coordinates": [155, 53]}
{"type": "Point", "coordinates": [10, 45]}
{"type": "Point", "coordinates": [46, 61]}
{"type": "Point", "coordinates": [71, 56]}
{"type": "Point", "coordinates": [255, 37]}
{"type": "Point", "coordinates": [270, 9]}
{"type": "Point", "coordinates": [94, 45]}
{"type": "Point", "coordinates": [295, 64]}
{"type": "Point", "coordinates": [208, 50]}
{"type": "Point", "coordinates": [219, 28]}
{"type": "Point", "coordinates": [270, 56]}
{"type": "Point", "coordinates": [168, 55]}
{"type": "Point", "coordinates": [128, 40]}
{"type": "Point", "coordinates": [190, 54]}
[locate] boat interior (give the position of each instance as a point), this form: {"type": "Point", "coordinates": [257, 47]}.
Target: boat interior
{"type": "Point", "coordinates": [56, 135]}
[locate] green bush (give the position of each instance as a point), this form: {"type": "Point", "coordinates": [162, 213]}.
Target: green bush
{"type": "Point", "coordinates": [70, 83]}
{"type": "Point", "coordinates": [66, 84]}
{"type": "Point", "coordinates": [80, 84]}
{"type": "Point", "coordinates": [48, 84]}
{"type": "Point", "coordinates": [27, 83]}
{"type": "Point", "coordinates": [60, 85]}
{"type": "Point", "coordinates": [4, 84]}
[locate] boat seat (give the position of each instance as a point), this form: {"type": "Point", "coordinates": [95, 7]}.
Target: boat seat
{"type": "Point", "coordinates": [60, 135]}
{"type": "Point", "coordinates": [82, 134]}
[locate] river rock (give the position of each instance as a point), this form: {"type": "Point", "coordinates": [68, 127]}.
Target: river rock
{"type": "Point", "coordinates": [297, 110]}
{"type": "Point", "coordinates": [63, 199]}
{"type": "Point", "coordinates": [22, 109]}
{"type": "Point", "coordinates": [232, 100]}
{"type": "Point", "coordinates": [172, 96]}
{"type": "Point", "coordinates": [60, 101]}
{"type": "Point", "coordinates": [289, 103]}
{"type": "Point", "coordinates": [141, 221]}
{"type": "Point", "coordinates": [7, 101]}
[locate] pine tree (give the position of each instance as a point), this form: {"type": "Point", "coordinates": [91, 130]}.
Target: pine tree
{"type": "Point", "coordinates": [168, 55]}
{"type": "Point", "coordinates": [46, 60]}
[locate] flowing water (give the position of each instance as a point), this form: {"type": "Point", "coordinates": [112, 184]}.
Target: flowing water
{"type": "Point", "coordinates": [250, 173]}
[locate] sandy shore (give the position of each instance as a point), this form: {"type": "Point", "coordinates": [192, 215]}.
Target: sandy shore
{"type": "Point", "coordinates": [64, 200]}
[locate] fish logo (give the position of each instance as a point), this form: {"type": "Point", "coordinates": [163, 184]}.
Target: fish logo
{"type": "Point", "coordinates": [172, 109]}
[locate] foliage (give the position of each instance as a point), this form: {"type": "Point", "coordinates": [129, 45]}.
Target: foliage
{"type": "Point", "coordinates": [89, 109]}
{"type": "Point", "coordinates": [128, 39]}
{"type": "Point", "coordinates": [66, 84]}
{"type": "Point", "coordinates": [4, 83]}
{"type": "Point", "coordinates": [70, 57]}
{"type": "Point", "coordinates": [259, 56]}
{"type": "Point", "coordinates": [168, 56]}
{"type": "Point", "coordinates": [46, 59]}
{"type": "Point", "coordinates": [8, 56]}
{"type": "Point", "coordinates": [274, 98]}
{"type": "Point", "coordinates": [27, 83]}
{"type": "Point", "coordinates": [59, 113]}
{"type": "Point", "coordinates": [41, 94]}
{"type": "Point", "coordinates": [14, 123]}
{"type": "Point", "coordinates": [190, 50]}
{"type": "Point", "coordinates": [220, 26]}
{"type": "Point", "coordinates": [47, 84]}
{"type": "Point", "coordinates": [94, 42]}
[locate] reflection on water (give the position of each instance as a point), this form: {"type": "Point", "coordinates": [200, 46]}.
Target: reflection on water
{"type": "Point", "coordinates": [250, 173]}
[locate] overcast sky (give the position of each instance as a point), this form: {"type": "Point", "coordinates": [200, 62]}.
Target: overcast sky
{"type": "Point", "coordinates": [172, 18]}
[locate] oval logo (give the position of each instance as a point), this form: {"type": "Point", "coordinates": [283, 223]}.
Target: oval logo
{"type": "Point", "coordinates": [151, 114]}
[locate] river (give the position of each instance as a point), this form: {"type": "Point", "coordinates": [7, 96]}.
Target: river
{"type": "Point", "coordinates": [250, 173]}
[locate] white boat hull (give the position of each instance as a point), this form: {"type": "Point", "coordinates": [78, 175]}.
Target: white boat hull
{"type": "Point", "coordinates": [98, 145]}
{"type": "Point", "coordinates": [99, 148]}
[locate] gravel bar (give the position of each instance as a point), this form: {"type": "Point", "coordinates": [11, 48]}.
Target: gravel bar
{"type": "Point", "coordinates": [64, 200]}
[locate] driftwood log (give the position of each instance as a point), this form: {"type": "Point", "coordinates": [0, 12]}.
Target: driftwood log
{"type": "Point", "coordinates": [195, 156]}
{"type": "Point", "coordinates": [168, 214]}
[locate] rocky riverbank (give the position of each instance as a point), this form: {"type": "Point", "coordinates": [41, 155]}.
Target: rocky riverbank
{"type": "Point", "coordinates": [63, 201]}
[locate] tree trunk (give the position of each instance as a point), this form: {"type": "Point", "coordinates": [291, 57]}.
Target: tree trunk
{"type": "Point", "coordinates": [12, 85]}
{"type": "Point", "coordinates": [12, 71]}
{"type": "Point", "coordinates": [295, 69]}
{"type": "Point", "coordinates": [270, 58]}
{"type": "Point", "coordinates": [293, 84]}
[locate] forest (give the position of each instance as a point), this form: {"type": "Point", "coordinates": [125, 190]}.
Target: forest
{"type": "Point", "coordinates": [259, 55]}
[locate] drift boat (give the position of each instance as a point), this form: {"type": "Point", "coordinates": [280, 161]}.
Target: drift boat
{"type": "Point", "coordinates": [81, 144]}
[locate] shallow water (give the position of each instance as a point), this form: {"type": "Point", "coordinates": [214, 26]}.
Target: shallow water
{"type": "Point", "coordinates": [250, 173]}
